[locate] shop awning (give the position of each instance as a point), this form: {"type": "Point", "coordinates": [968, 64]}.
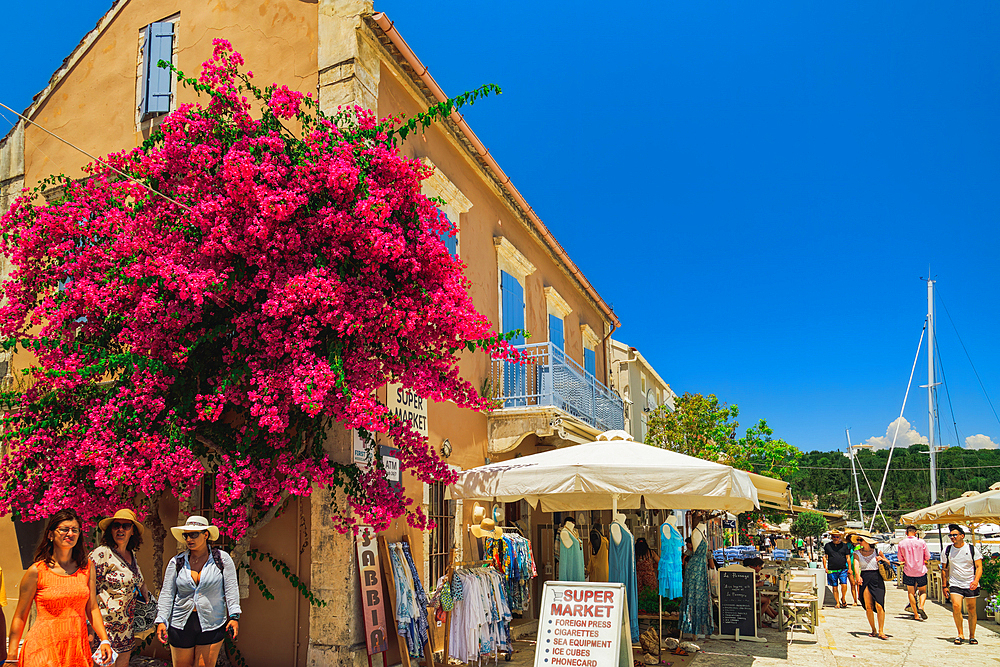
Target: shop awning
{"type": "Point", "coordinates": [970, 507]}
{"type": "Point", "coordinates": [772, 493]}
{"type": "Point", "coordinates": [835, 519]}
{"type": "Point", "coordinates": [613, 469]}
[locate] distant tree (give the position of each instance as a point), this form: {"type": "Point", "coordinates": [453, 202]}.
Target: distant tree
{"type": "Point", "coordinates": [698, 425]}
{"type": "Point", "coordinates": [809, 524]}
{"type": "Point", "coordinates": [761, 453]}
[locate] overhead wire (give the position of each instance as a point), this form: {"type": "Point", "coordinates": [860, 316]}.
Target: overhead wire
{"type": "Point", "coordinates": [969, 357]}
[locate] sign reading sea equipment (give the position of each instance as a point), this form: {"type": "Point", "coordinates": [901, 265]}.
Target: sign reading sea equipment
{"type": "Point", "coordinates": [583, 624]}
{"type": "Point", "coordinates": [409, 407]}
{"type": "Point", "coordinates": [373, 608]}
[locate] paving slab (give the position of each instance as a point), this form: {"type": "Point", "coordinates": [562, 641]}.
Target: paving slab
{"type": "Point", "coordinates": [842, 640]}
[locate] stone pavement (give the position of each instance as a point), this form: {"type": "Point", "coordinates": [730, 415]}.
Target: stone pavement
{"type": "Point", "coordinates": [842, 640]}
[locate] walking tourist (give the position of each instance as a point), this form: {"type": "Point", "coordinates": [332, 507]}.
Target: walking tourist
{"type": "Point", "coordinates": [120, 586]}
{"type": "Point", "coordinates": [200, 598]}
{"type": "Point", "coordinates": [913, 555]}
{"type": "Point", "coordinates": [872, 591]}
{"type": "Point", "coordinates": [60, 583]}
{"type": "Point", "coordinates": [963, 566]}
{"type": "Point", "coordinates": [836, 553]}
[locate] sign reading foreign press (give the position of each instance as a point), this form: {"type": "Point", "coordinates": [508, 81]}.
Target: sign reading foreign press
{"type": "Point", "coordinates": [583, 624]}
{"type": "Point", "coordinates": [406, 405]}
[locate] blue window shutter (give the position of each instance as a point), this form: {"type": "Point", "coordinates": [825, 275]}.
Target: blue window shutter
{"type": "Point", "coordinates": [590, 361]}
{"type": "Point", "coordinates": [159, 45]}
{"type": "Point", "coordinates": [556, 332]}
{"type": "Point", "coordinates": [450, 242]}
{"type": "Point", "coordinates": [512, 304]}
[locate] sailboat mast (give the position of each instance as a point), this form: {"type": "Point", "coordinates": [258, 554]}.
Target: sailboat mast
{"type": "Point", "coordinates": [931, 386]}
{"type": "Point", "coordinates": [854, 473]}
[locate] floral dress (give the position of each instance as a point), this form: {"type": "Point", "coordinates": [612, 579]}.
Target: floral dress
{"type": "Point", "coordinates": [118, 585]}
{"type": "Point", "coordinates": [696, 603]}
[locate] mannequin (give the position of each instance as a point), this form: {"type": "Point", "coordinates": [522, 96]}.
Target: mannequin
{"type": "Point", "coordinates": [570, 553]}
{"type": "Point", "coordinates": [670, 572]}
{"type": "Point", "coordinates": [597, 566]}
{"type": "Point", "coordinates": [621, 569]}
{"type": "Point", "coordinates": [619, 528]}
{"type": "Point", "coordinates": [696, 606]}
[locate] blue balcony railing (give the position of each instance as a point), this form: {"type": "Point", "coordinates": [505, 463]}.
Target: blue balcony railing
{"type": "Point", "coordinates": [550, 378]}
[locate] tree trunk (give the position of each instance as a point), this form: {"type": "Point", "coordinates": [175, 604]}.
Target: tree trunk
{"type": "Point", "coordinates": [159, 537]}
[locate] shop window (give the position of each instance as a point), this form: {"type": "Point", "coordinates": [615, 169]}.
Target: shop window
{"type": "Point", "coordinates": [440, 511]}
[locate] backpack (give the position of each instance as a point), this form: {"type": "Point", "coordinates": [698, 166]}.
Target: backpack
{"type": "Point", "coordinates": [972, 553]}
{"type": "Point", "coordinates": [216, 558]}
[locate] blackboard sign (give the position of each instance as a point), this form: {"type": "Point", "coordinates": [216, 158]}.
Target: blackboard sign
{"type": "Point", "coordinates": [737, 601]}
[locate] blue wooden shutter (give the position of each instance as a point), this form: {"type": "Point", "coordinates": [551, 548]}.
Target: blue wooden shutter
{"type": "Point", "coordinates": [512, 303]}
{"type": "Point", "coordinates": [556, 332]}
{"type": "Point", "coordinates": [159, 45]}
{"type": "Point", "coordinates": [515, 376]}
{"type": "Point", "coordinates": [590, 361]}
{"type": "Point", "coordinates": [450, 242]}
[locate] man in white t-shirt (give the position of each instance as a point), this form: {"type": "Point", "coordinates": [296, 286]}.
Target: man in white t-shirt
{"type": "Point", "coordinates": [963, 566]}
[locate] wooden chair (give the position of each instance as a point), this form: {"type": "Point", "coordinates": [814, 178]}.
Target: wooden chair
{"type": "Point", "coordinates": [798, 602]}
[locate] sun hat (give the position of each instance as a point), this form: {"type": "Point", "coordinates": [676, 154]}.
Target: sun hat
{"type": "Point", "coordinates": [125, 514]}
{"type": "Point", "coordinates": [478, 513]}
{"type": "Point", "coordinates": [487, 528]}
{"type": "Point", "coordinates": [836, 532]}
{"type": "Point", "coordinates": [195, 523]}
{"type": "Point", "coordinates": [867, 538]}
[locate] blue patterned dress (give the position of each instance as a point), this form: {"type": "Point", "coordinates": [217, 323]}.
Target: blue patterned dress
{"type": "Point", "coordinates": [670, 571]}
{"type": "Point", "coordinates": [696, 605]}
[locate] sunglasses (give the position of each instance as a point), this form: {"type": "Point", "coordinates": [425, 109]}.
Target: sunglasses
{"type": "Point", "coordinates": [191, 536]}
{"type": "Point", "coordinates": [119, 525]}
{"type": "Point", "coordinates": [953, 534]}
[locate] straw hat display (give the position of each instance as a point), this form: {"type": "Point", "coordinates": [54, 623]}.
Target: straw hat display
{"type": "Point", "coordinates": [487, 528]}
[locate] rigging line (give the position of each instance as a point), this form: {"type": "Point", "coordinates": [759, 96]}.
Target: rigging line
{"type": "Point", "coordinates": [903, 469]}
{"type": "Point", "coordinates": [96, 159]}
{"type": "Point", "coordinates": [920, 344]}
{"type": "Point", "coordinates": [947, 393]}
{"type": "Point", "coordinates": [967, 356]}
{"type": "Point", "coordinates": [878, 510]}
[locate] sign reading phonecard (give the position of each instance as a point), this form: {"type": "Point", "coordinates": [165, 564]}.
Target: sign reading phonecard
{"type": "Point", "coordinates": [583, 624]}
{"type": "Point", "coordinates": [405, 404]}
{"type": "Point", "coordinates": [373, 608]}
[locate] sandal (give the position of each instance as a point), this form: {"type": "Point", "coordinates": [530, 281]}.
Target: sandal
{"type": "Point", "coordinates": [973, 640]}
{"type": "Point", "coordinates": [958, 641]}
{"type": "Point", "coordinates": [884, 638]}
{"type": "Point", "coordinates": [923, 614]}
{"type": "Point", "coordinates": [873, 634]}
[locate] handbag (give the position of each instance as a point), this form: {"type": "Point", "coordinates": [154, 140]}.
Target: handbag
{"type": "Point", "coordinates": [887, 570]}
{"type": "Point", "coordinates": [143, 612]}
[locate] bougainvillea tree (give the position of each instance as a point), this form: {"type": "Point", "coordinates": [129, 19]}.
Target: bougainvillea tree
{"type": "Point", "coordinates": [220, 298]}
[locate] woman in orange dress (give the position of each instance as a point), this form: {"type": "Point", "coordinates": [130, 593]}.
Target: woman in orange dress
{"type": "Point", "coordinates": [61, 584]}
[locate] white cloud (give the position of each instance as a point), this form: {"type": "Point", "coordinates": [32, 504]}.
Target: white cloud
{"type": "Point", "coordinates": [980, 441]}
{"type": "Point", "coordinates": [907, 436]}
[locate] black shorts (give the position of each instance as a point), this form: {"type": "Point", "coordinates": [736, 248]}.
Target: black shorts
{"type": "Point", "coordinates": [192, 634]}
{"type": "Point", "coordinates": [964, 592]}
{"type": "Point", "coordinates": [919, 582]}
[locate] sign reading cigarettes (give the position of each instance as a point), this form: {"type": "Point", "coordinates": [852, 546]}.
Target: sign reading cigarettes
{"type": "Point", "coordinates": [409, 407]}
{"type": "Point", "coordinates": [583, 624]}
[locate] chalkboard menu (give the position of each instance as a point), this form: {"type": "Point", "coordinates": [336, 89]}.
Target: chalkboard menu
{"type": "Point", "coordinates": [737, 601]}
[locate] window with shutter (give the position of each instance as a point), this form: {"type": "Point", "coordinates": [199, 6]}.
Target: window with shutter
{"type": "Point", "coordinates": [515, 378]}
{"type": "Point", "coordinates": [156, 82]}
{"type": "Point", "coordinates": [590, 361]}
{"type": "Point", "coordinates": [556, 336]}
{"type": "Point", "coordinates": [450, 241]}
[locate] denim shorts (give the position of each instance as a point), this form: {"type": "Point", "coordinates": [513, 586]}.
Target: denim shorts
{"type": "Point", "coordinates": [836, 577]}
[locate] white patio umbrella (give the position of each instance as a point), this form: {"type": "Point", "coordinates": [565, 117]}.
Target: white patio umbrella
{"type": "Point", "coordinates": [985, 507]}
{"type": "Point", "coordinates": [969, 507]}
{"type": "Point", "coordinates": [612, 472]}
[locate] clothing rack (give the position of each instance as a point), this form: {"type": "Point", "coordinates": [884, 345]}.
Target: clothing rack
{"type": "Point", "coordinates": [404, 654]}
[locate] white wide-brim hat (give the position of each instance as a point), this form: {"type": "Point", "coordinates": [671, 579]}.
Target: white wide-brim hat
{"type": "Point", "coordinates": [195, 523]}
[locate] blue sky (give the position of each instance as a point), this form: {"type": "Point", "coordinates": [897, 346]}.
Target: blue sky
{"type": "Point", "coordinates": [756, 188]}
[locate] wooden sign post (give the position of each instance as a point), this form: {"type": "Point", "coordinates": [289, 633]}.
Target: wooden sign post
{"type": "Point", "coordinates": [738, 604]}
{"type": "Point", "coordinates": [372, 604]}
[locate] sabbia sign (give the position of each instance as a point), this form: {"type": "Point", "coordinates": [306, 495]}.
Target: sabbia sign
{"type": "Point", "coordinates": [373, 608]}
{"type": "Point", "coordinates": [583, 624]}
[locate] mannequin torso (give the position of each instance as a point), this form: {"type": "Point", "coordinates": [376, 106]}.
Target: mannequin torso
{"type": "Point", "coordinates": [618, 528]}
{"type": "Point", "coordinates": [568, 533]}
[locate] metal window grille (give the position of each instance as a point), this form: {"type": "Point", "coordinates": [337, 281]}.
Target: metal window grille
{"type": "Point", "coordinates": [203, 504]}
{"type": "Point", "coordinates": [442, 514]}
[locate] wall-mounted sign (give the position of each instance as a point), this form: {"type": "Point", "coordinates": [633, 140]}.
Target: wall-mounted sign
{"type": "Point", "coordinates": [373, 608]}
{"type": "Point", "coordinates": [390, 460]}
{"type": "Point", "coordinates": [409, 407]}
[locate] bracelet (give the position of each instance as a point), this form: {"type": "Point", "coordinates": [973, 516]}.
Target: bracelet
{"type": "Point", "coordinates": [105, 642]}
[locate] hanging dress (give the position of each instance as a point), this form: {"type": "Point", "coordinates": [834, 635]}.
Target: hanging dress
{"type": "Point", "coordinates": [671, 573]}
{"type": "Point", "coordinates": [598, 566]}
{"type": "Point", "coordinates": [622, 570]}
{"type": "Point", "coordinates": [696, 605]}
{"type": "Point", "coordinates": [59, 634]}
{"type": "Point", "coordinates": [570, 558]}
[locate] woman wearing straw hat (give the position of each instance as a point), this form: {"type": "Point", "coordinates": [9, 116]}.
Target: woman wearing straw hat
{"type": "Point", "coordinates": [872, 586]}
{"type": "Point", "coordinates": [119, 579]}
{"type": "Point", "coordinates": [200, 599]}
